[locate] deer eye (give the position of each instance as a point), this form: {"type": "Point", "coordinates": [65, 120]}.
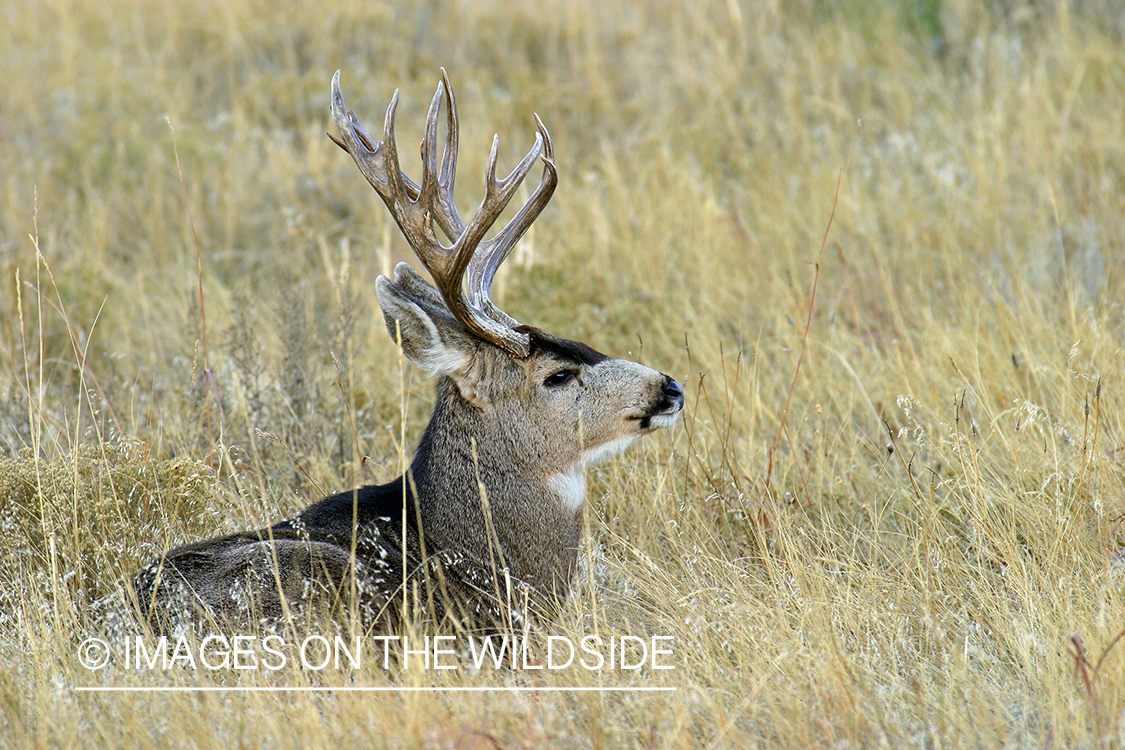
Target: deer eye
{"type": "Point", "coordinates": [562, 377]}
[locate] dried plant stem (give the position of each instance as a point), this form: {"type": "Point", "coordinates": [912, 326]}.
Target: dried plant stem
{"type": "Point", "coordinates": [808, 314]}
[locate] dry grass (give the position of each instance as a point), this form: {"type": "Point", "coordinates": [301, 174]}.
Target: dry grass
{"type": "Point", "coordinates": [922, 549]}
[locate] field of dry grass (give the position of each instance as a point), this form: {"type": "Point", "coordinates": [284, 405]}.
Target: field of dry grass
{"type": "Point", "coordinates": [911, 540]}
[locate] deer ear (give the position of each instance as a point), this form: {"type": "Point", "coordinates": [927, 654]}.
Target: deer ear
{"type": "Point", "coordinates": [419, 321]}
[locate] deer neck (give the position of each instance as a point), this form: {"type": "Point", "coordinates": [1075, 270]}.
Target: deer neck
{"type": "Point", "coordinates": [483, 491]}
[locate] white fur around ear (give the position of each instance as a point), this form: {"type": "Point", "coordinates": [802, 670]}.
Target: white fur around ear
{"type": "Point", "coordinates": [416, 329]}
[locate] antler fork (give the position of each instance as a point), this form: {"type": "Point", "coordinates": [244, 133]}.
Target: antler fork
{"type": "Point", "coordinates": [463, 271]}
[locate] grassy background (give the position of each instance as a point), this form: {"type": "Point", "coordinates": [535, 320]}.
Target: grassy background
{"type": "Point", "coordinates": [919, 548]}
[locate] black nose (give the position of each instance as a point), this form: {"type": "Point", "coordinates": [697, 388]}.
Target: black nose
{"type": "Point", "coordinates": [673, 392]}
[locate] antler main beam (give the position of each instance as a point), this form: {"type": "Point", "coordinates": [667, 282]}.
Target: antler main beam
{"type": "Point", "coordinates": [462, 271]}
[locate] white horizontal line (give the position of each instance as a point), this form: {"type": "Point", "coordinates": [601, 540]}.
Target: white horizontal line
{"type": "Point", "coordinates": [354, 689]}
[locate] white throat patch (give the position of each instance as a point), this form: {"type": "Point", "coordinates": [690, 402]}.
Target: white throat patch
{"type": "Point", "coordinates": [570, 487]}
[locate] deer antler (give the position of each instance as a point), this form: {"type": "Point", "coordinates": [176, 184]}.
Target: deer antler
{"type": "Point", "coordinates": [462, 271]}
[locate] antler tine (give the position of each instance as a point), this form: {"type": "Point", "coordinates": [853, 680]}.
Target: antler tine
{"type": "Point", "coordinates": [430, 182]}
{"type": "Point", "coordinates": [447, 215]}
{"type": "Point", "coordinates": [484, 264]}
{"type": "Point", "coordinates": [378, 162]}
{"type": "Point", "coordinates": [497, 193]}
{"type": "Point", "coordinates": [391, 167]}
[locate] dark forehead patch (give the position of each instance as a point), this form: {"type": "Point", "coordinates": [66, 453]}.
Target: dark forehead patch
{"type": "Point", "coordinates": [572, 351]}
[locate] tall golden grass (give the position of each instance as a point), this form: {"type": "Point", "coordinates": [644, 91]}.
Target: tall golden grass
{"type": "Point", "coordinates": [892, 515]}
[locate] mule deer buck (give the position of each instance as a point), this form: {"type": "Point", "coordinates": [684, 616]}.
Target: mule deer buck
{"type": "Point", "coordinates": [484, 526]}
